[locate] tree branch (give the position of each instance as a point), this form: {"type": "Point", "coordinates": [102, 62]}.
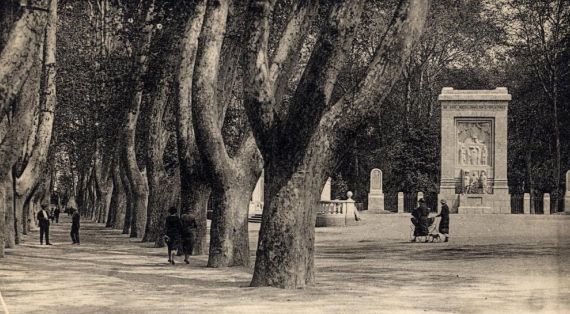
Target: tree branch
{"type": "Point", "coordinates": [204, 87]}
{"type": "Point", "coordinates": [314, 91]}
{"type": "Point", "coordinates": [259, 100]}
{"type": "Point", "coordinates": [288, 52]}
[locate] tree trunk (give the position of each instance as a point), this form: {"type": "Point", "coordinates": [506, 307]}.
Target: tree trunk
{"type": "Point", "coordinates": [288, 231]}
{"type": "Point", "coordinates": [136, 176]}
{"type": "Point", "coordinates": [103, 184]}
{"type": "Point", "coordinates": [9, 231]}
{"type": "Point", "coordinates": [161, 191]}
{"type": "Point", "coordinates": [233, 179]}
{"type": "Point", "coordinates": [129, 198]}
{"type": "Point", "coordinates": [19, 53]}
{"type": "Point", "coordinates": [229, 237]}
{"type": "Point", "coordinates": [117, 208]}
{"type": "Point", "coordinates": [194, 196]}
{"type": "Point", "coordinates": [194, 186]}
{"type": "Point", "coordinates": [26, 181]}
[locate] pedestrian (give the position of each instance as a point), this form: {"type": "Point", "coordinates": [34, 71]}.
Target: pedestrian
{"type": "Point", "coordinates": [43, 222]}
{"type": "Point", "coordinates": [75, 226]}
{"type": "Point", "coordinates": [444, 223]}
{"type": "Point", "coordinates": [420, 220]}
{"type": "Point", "coordinates": [172, 226]}
{"type": "Point", "coordinates": [56, 214]}
{"type": "Point", "coordinates": [52, 214]}
{"type": "Point", "coordinates": [189, 228]}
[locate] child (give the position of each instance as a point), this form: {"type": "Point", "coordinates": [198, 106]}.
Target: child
{"type": "Point", "coordinates": [172, 226]}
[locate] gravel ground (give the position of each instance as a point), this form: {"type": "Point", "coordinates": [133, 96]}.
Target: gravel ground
{"type": "Point", "coordinates": [493, 264]}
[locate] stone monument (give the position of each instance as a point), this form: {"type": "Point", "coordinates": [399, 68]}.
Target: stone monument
{"type": "Point", "coordinates": [326, 192]}
{"type": "Point", "coordinates": [376, 195]}
{"type": "Point", "coordinates": [474, 150]}
{"type": "Point", "coordinates": [256, 202]}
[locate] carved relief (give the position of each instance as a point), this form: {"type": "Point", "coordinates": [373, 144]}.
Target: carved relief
{"type": "Point", "coordinates": [474, 139]}
{"type": "Point", "coordinates": [475, 182]}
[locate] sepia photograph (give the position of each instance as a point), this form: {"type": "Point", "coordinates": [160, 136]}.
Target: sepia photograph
{"type": "Point", "coordinates": [284, 156]}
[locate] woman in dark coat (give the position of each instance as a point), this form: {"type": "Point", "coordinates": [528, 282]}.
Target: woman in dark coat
{"type": "Point", "coordinates": [189, 228]}
{"type": "Point", "coordinates": [444, 223]}
{"type": "Point", "coordinates": [75, 226]}
{"type": "Point", "coordinates": [420, 220]}
{"type": "Point", "coordinates": [172, 227]}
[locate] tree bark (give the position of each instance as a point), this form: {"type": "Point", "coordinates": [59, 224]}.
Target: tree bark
{"type": "Point", "coordinates": [194, 186]}
{"type": "Point", "coordinates": [9, 231]}
{"type": "Point", "coordinates": [163, 193]}
{"type": "Point", "coordinates": [25, 182]}
{"type": "Point", "coordinates": [129, 205]}
{"type": "Point", "coordinates": [20, 51]}
{"type": "Point", "coordinates": [117, 208]}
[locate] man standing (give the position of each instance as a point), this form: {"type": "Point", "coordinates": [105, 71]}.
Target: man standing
{"type": "Point", "coordinates": [74, 226]}
{"type": "Point", "coordinates": [43, 221]}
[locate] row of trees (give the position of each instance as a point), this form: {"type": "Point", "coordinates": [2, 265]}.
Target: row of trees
{"type": "Point", "coordinates": [172, 103]}
{"type": "Point", "coordinates": [161, 103]}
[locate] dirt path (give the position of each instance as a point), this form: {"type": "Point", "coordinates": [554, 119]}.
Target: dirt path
{"type": "Point", "coordinates": [493, 264]}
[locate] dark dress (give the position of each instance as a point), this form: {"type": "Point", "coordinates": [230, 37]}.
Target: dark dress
{"type": "Point", "coordinates": [75, 227]}
{"type": "Point", "coordinates": [189, 228]}
{"type": "Point", "coordinates": [173, 226]}
{"type": "Point", "coordinates": [420, 220]}
{"type": "Point", "coordinates": [444, 223]}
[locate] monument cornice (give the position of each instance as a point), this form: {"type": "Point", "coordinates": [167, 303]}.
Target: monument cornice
{"type": "Point", "coordinates": [497, 94]}
{"type": "Point", "coordinates": [485, 106]}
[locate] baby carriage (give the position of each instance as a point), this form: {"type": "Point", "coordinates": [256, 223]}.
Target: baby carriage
{"type": "Point", "coordinates": [427, 235]}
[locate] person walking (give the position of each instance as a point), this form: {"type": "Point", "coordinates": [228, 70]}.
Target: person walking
{"type": "Point", "coordinates": [189, 228]}
{"type": "Point", "coordinates": [444, 223]}
{"type": "Point", "coordinates": [172, 226]}
{"type": "Point", "coordinates": [56, 213]}
{"type": "Point", "coordinates": [420, 220]}
{"type": "Point", "coordinates": [43, 222]}
{"type": "Point", "coordinates": [75, 217]}
{"type": "Point", "coordinates": [52, 214]}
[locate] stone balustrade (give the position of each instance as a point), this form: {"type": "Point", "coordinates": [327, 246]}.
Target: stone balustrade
{"type": "Point", "coordinates": [336, 212]}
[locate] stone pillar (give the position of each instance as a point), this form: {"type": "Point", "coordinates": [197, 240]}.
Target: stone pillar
{"type": "Point", "coordinates": [256, 202]}
{"type": "Point", "coordinates": [326, 193]}
{"type": "Point", "coordinates": [546, 204]}
{"type": "Point", "coordinates": [567, 193]}
{"type": "Point", "coordinates": [474, 138]}
{"type": "Point", "coordinates": [400, 202]}
{"type": "Point", "coordinates": [526, 204]}
{"type": "Point", "coordinates": [420, 195]}
{"type": "Point", "coordinates": [376, 195]}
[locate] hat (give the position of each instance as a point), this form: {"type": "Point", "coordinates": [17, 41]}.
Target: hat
{"type": "Point", "coordinates": [421, 200]}
{"type": "Point", "coordinates": [172, 210]}
{"type": "Point", "coordinates": [443, 201]}
{"type": "Point", "coordinates": [44, 206]}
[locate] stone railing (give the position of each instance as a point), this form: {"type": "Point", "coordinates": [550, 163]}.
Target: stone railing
{"type": "Point", "coordinates": [336, 212]}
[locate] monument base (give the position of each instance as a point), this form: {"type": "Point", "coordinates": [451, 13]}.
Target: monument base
{"type": "Point", "coordinates": [376, 203]}
{"type": "Point", "coordinates": [498, 203]}
{"type": "Point", "coordinates": [484, 204]}
{"type": "Point", "coordinates": [567, 202]}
